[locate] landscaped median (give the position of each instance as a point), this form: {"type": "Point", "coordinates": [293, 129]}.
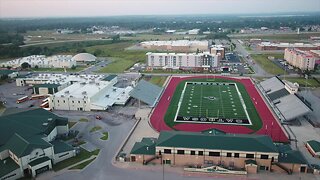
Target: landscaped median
{"type": "Point", "coordinates": [83, 155]}
{"type": "Point", "coordinates": [105, 136]}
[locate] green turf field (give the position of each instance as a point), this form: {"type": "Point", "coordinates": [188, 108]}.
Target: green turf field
{"type": "Point", "coordinates": [211, 100]}
{"type": "Point", "coordinates": [215, 100]}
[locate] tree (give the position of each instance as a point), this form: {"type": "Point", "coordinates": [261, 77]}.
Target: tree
{"type": "Point", "coordinates": [36, 67]}
{"type": "Point", "coordinates": [25, 65]}
{"type": "Point", "coordinates": [73, 67]}
{"type": "Point", "coordinates": [97, 52]}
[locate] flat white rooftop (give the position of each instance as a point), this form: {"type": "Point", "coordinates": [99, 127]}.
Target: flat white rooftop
{"type": "Point", "coordinates": [82, 89]}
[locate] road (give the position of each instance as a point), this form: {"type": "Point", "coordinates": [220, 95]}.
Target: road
{"type": "Point", "coordinates": [64, 41]}
{"type": "Point", "coordinates": [242, 51]}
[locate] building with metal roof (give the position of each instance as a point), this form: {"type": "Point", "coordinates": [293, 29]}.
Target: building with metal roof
{"type": "Point", "coordinates": [291, 107]}
{"type": "Point", "coordinates": [28, 145]}
{"type": "Point", "coordinates": [78, 92]}
{"type": "Point", "coordinates": [282, 95]}
{"type": "Point", "coordinates": [231, 151]}
{"type": "Point", "coordinates": [314, 147]}
{"type": "Point", "coordinates": [146, 92]}
{"type": "Point", "coordinates": [84, 57]}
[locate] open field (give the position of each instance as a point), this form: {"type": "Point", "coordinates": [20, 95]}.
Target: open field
{"type": "Point", "coordinates": [210, 108]}
{"type": "Point", "coordinates": [158, 80]}
{"type": "Point", "coordinates": [52, 36]}
{"type": "Point", "coordinates": [303, 82]}
{"type": "Point", "coordinates": [121, 59]}
{"type": "Point", "coordinates": [268, 65]}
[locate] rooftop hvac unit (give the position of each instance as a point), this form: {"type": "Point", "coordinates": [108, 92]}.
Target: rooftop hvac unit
{"type": "Point", "coordinates": [66, 92]}
{"type": "Point", "coordinates": [107, 95]}
{"type": "Point", "coordinates": [49, 119]}
{"type": "Point", "coordinates": [62, 95]}
{"type": "Point", "coordinates": [83, 83]}
{"type": "Point", "coordinates": [114, 89]}
{"type": "Point", "coordinates": [97, 84]}
{"type": "Point", "coordinates": [71, 96]}
{"type": "Point", "coordinates": [84, 92]}
{"type": "Point", "coordinates": [45, 124]}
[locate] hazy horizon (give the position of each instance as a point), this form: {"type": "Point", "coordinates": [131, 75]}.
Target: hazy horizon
{"type": "Point", "coordinates": [101, 8]}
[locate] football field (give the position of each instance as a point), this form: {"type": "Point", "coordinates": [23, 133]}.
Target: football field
{"type": "Point", "coordinates": [212, 102]}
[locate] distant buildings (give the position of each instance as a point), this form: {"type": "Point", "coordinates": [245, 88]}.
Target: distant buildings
{"type": "Point", "coordinates": [84, 57]}
{"type": "Point", "coordinates": [41, 61]}
{"type": "Point", "coordinates": [205, 61]}
{"type": "Point", "coordinates": [267, 46]}
{"type": "Point", "coordinates": [303, 60]}
{"type": "Point", "coordinates": [194, 31]}
{"type": "Point", "coordinates": [28, 143]}
{"type": "Point", "coordinates": [176, 46]}
{"type": "Point", "coordinates": [219, 50]}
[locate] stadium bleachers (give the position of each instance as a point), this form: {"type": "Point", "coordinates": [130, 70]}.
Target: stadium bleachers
{"type": "Point", "coordinates": [289, 105]}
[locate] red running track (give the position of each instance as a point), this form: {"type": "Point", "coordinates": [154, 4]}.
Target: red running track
{"type": "Point", "coordinates": [270, 126]}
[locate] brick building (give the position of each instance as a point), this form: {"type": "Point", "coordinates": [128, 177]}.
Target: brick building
{"type": "Point", "coordinates": [303, 60]}
{"type": "Point", "coordinates": [251, 153]}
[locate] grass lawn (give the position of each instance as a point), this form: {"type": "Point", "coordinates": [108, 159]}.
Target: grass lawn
{"type": "Point", "coordinates": [83, 120]}
{"type": "Point", "coordinates": [71, 123]}
{"type": "Point", "coordinates": [303, 82]}
{"type": "Point", "coordinates": [268, 65]}
{"type": "Point", "coordinates": [84, 154]}
{"type": "Point", "coordinates": [122, 59]}
{"type": "Point", "coordinates": [96, 128]}
{"type": "Point", "coordinates": [105, 136]}
{"type": "Point", "coordinates": [158, 80]}
{"type": "Point", "coordinates": [83, 165]}
{"type": "Point", "coordinates": [172, 109]}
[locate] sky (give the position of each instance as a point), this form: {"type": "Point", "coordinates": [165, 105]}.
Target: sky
{"type": "Point", "coordinates": [88, 8]}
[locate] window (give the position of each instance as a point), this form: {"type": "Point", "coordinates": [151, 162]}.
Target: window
{"type": "Point", "coordinates": [193, 152]}
{"type": "Point", "coordinates": [64, 101]}
{"type": "Point", "coordinates": [79, 102]}
{"type": "Point", "coordinates": [167, 151]}
{"type": "Point", "coordinates": [200, 153]}
{"type": "Point", "coordinates": [249, 155]}
{"type": "Point", "coordinates": [214, 153]}
{"type": "Point", "coordinates": [236, 155]}
{"type": "Point", "coordinates": [72, 101]}
{"type": "Point", "coordinates": [180, 152]}
{"type": "Point", "coordinates": [84, 101]}
{"type": "Point", "coordinates": [263, 156]}
{"type": "Point", "coordinates": [58, 101]}
{"type": "Point", "coordinates": [229, 154]}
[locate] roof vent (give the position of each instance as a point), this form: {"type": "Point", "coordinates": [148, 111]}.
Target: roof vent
{"type": "Point", "coordinates": [84, 92]}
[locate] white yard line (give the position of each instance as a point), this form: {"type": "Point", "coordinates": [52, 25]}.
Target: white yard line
{"type": "Point", "coordinates": [243, 104]}
{"type": "Point", "coordinates": [180, 101]}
